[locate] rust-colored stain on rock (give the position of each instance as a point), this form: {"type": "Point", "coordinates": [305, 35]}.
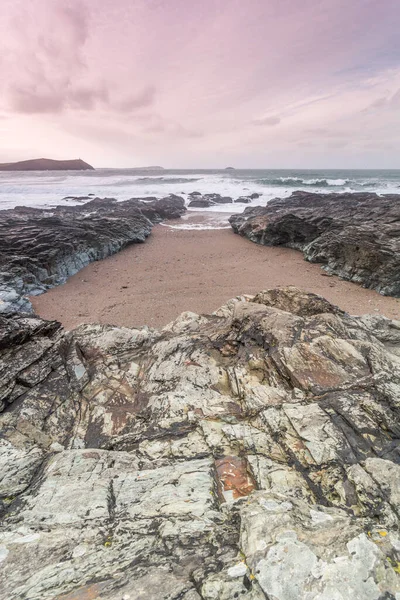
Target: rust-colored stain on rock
{"type": "Point", "coordinates": [234, 478]}
{"type": "Point", "coordinates": [88, 592]}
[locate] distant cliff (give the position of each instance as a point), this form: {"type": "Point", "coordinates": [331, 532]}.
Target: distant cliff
{"type": "Point", "coordinates": [46, 164]}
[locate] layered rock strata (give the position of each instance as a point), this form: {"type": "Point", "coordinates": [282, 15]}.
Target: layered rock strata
{"type": "Point", "coordinates": [252, 453]}
{"type": "Point", "coordinates": [41, 248]}
{"type": "Point", "coordinates": [354, 235]}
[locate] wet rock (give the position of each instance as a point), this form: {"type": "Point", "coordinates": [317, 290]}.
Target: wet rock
{"type": "Point", "coordinates": [243, 200]}
{"type": "Point", "coordinates": [249, 453]}
{"type": "Point", "coordinates": [223, 200]}
{"type": "Point", "coordinates": [77, 198]}
{"type": "Point", "coordinates": [212, 196]}
{"type": "Point", "coordinates": [201, 203]}
{"type": "Point", "coordinates": [354, 235]}
{"type": "Point", "coordinates": [208, 200]}
{"type": "Point", "coordinates": [40, 248]}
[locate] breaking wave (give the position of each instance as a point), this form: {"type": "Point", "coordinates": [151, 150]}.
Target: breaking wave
{"type": "Point", "coordinates": [166, 179]}
{"type": "Point", "coordinates": [298, 181]}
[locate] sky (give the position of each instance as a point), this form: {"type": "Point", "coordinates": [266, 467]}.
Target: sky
{"type": "Point", "coordinates": [202, 83]}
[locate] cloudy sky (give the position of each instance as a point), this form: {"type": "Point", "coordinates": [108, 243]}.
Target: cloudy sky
{"type": "Point", "coordinates": [206, 83]}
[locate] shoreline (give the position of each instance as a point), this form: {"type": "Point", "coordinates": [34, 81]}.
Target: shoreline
{"type": "Point", "coordinates": [179, 270]}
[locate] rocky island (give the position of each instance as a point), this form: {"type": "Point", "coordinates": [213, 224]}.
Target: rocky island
{"type": "Point", "coordinates": [47, 164]}
{"type": "Point", "coordinates": [354, 235]}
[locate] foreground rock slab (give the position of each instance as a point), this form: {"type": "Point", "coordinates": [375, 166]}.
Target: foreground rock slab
{"type": "Point", "coordinates": [41, 248]}
{"type": "Point", "coordinates": [252, 453]}
{"type": "Point", "coordinates": [354, 235]}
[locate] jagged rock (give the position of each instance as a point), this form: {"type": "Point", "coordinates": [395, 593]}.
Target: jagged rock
{"type": "Point", "coordinates": [40, 248]}
{"type": "Point", "coordinates": [354, 235]}
{"type": "Point", "coordinates": [251, 453]}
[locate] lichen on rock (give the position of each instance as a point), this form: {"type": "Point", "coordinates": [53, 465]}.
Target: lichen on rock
{"type": "Point", "coordinates": [251, 453]}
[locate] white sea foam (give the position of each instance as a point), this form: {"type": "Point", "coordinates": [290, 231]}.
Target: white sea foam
{"type": "Point", "coordinates": [47, 189]}
{"type": "Point", "coordinates": [302, 181]}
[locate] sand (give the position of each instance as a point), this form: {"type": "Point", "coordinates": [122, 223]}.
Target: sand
{"type": "Point", "coordinates": [178, 270]}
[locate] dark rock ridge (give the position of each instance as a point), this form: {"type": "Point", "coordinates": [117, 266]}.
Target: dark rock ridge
{"type": "Point", "coordinates": [41, 248]}
{"type": "Point", "coordinates": [47, 164]}
{"type": "Point", "coordinates": [355, 236]}
{"type": "Point", "coordinates": [252, 453]}
{"type": "Point", "coordinates": [198, 200]}
{"type": "Point", "coordinates": [80, 198]}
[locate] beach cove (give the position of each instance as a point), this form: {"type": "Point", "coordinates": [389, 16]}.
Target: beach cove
{"type": "Point", "coordinates": [196, 270]}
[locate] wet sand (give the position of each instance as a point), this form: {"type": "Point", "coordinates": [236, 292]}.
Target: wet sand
{"type": "Point", "coordinates": [177, 270]}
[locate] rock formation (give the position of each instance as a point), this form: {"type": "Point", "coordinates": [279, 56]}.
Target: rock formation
{"type": "Point", "coordinates": [41, 248]}
{"type": "Point", "coordinates": [47, 164]}
{"type": "Point", "coordinates": [355, 236]}
{"type": "Point", "coordinates": [243, 200]}
{"type": "Point", "coordinates": [252, 453]}
{"type": "Point", "coordinates": [198, 200]}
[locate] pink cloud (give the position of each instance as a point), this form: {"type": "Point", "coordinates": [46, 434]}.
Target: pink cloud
{"type": "Point", "coordinates": [201, 81]}
{"type": "Point", "coordinates": [143, 98]}
{"type": "Point", "coordinates": [268, 121]}
{"type": "Point", "coordinates": [51, 68]}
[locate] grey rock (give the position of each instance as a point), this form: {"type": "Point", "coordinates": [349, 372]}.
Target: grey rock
{"type": "Point", "coordinates": [354, 235]}
{"type": "Point", "coordinates": [243, 200]}
{"type": "Point", "coordinates": [198, 202]}
{"type": "Point", "coordinates": [41, 248]}
{"type": "Point", "coordinates": [250, 453]}
{"type": "Point", "coordinates": [207, 200]}
{"type": "Point", "coordinates": [218, 199]}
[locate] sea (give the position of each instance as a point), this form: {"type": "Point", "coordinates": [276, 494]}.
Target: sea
{"type": "Point", "coordinates": [51, 188]}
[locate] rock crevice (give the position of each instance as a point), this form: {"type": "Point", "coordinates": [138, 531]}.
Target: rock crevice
{"type": "Point", "coordinates": [250, 453]}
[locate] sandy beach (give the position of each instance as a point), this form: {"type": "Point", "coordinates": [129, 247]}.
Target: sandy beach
{"type": "Point", "coordinates": [177, 270]}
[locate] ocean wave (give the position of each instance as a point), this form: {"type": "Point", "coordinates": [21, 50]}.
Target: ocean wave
{"type": "Point", "coordinates": [167, 179]}
{"type": "Point", "coordinates": [132, 181]}
{"type": "Point", "coordinates": [373, 184]}
{"type": "Point", "coordinates": [298, 181]}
